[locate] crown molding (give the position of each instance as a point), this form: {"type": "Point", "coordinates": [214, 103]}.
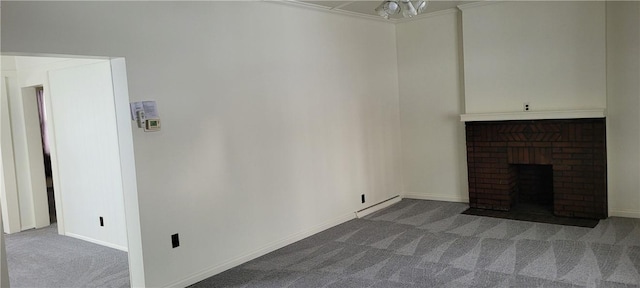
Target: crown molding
{"type": "Point", "coordinates": [339, 11]}
{"type": "Point", "coordinates": [478, 4]}
{"type": "Point", "coordinates": [427, 15]}
{"type": "Point", "coordinates": [315, 7]}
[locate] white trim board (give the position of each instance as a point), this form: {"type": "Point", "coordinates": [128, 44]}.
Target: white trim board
{"type": "Point", "coordinates": [425, 15]}
{"type": "Point", "coordinates": [94, 241]}
{"type": "Point", "coordinates": [206, 273]}
{"type": "Point", "coordinates": [533, 115]}
{"type": "Point", "coordinates": [128, 171]}
{"type": "Point", "coordinates": [624, 213]}
{"type": "Point", "coordinates": [435, 197]}
{"type": "Point", "coordinates": [337, 11]}
{"type": "Point", "coordinates": [477, 4]}
{"type": "Point", "coordinates": [379, 206]}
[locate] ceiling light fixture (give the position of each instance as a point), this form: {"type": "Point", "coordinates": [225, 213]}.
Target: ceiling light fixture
{"type": "Point", "coordinates": [408, 8]}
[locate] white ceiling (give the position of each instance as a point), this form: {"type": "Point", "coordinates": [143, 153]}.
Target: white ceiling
{"type": "Point", "coordinates": [368, 7]}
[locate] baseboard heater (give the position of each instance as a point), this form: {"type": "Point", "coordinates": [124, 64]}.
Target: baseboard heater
{"type": "Point", "coordinates": [377, 207]}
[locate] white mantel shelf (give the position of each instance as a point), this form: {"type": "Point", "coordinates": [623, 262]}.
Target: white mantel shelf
{"type": "Point", "coordinates": [533, 115]}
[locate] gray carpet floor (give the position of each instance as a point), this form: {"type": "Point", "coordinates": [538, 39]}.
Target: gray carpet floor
{"type": "Point", "coordinates": [42, 258]}
{"type": "Point", "coordinates": [430, 244]}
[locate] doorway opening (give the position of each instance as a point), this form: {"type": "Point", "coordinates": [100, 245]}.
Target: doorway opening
{"type": "Point", "coordinates": [94, 90]}
{"type": "Point", "coordinates": [46, 153]}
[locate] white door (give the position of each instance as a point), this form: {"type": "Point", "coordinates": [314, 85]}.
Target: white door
{"type": "Point", "coordinates": [86, 154]}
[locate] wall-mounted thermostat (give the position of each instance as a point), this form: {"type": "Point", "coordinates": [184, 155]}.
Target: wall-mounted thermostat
{"type": "Point", "coordinates": [145, 113]}
{"type": "Point", "coordinates": [152, 125]}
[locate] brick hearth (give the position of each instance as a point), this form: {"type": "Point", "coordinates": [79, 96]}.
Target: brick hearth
{"type": "Point", "coordinates": [575, 148]}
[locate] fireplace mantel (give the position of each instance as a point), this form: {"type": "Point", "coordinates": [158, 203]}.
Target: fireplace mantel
{"type": "Point", "coordinates": [533, 115]}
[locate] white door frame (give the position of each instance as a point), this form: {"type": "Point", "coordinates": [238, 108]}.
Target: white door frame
{"type": "Point", "coordinates": [38, 186]}
{"type": "Point", "coordinates": [128, 168]}
{"type": "Point", "coordinates": [9, 189]}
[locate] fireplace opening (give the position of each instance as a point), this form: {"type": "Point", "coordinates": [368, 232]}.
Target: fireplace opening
{"type": "Point", "coordinates": [533, 189]}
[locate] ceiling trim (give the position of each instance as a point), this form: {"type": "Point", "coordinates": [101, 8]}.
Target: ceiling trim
{"type": "Point", "coordinates": [478, 4]}
{"type": "Point", "coordinates": [329, 10]}
{"type": "Point", "coordinates": [343, 4]}
{"type": "Point", "coordinates": [337, 10]}
{"type": "Point", "coordinates": [427, 15]}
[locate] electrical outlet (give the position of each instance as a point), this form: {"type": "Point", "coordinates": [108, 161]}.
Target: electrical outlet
{"type": "Point", "coordinates": [101, 221]}
{"type": "Point", "coordinates": [175, 241]}
{"type": "Point", "coordinates": [526, 106]}
{"type": "Point", "coordinates": [362, 198]}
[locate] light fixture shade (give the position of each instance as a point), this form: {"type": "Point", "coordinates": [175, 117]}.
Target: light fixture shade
{"type": "Point", "coordinates": [407, 9]}
{"type": "Point", "coordinates": [382, 12]}
{"type": "Point", "coordinates": [391, 7]}
{"type": "Point", "coordinates": [421, 6]}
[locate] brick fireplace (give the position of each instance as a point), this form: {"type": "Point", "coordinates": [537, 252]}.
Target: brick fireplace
{"type": "Point", "coordinates": [507, 160]}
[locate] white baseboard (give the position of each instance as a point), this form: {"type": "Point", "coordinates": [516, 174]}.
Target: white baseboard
{"type": "Point", "coordinates": [379, 206]}
{"type": "Point", "coordinates": [436, 197]}
{"type": "Point", "coordinates": [623, 213]}
{"type": "Point", "coordinates": [99, 242]}
{"type": "Point", "coordinates": [206, 273]}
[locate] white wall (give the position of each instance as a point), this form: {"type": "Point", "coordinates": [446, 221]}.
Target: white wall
{"type": "Point", "coordinates": [431, 101]}
{"type": "Point", "coordinates": [550, 54]}
{"type": "Point", "coordinates": [275, 119]}
{"type": "Point", "coordinates": [623, 120]}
